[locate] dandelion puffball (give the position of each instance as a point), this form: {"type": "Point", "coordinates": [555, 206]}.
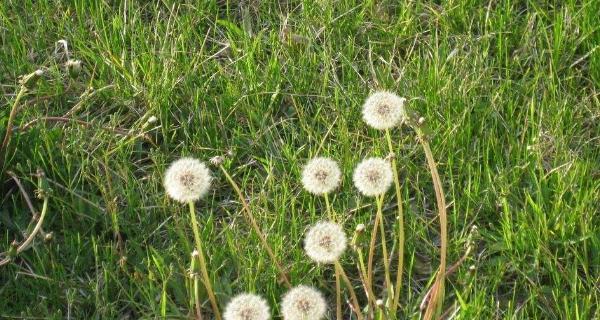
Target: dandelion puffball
{"type": "Point", "coordinates": [373, 176]}
{"type": "Point", "coordinates": [321, 175]}
{"type": "Point", "coordinates": [383, 110]}
{"type": "Point", "coordinates": [247, 306]}
{"type": "Point", "coordinates": [187, 179]}
{"type": "Point", "coordinates": [303, 303]}
{"type": "Point", "coordinates": [325, 242]}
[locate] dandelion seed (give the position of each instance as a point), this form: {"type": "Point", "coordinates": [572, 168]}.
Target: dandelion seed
{"type": "Point", "coordinates": [303, 303]}
{"type": "Point", "coordinates": [373, 177]}
{"type": "Point", "coordinates": [73, 67]}
{"type": "Point", "coordinates": [247, 306]}
{"type": "Point", "coordinates": [187, 179]}
{"type": "Point", "coordinates": [321, 175]}
{"type": "Point", "coordinates": [325, 242]}
{"type": "Point", "coordinates": [152, 119]}
{"type": "Point", "coordinates": [383, 110]}
{"type": "Point", "coordinates": [217, 160]}
{"type": "Point", "coordinates": [360, 227]}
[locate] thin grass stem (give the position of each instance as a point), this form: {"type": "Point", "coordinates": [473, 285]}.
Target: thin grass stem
{"type": "Point", "coordinates": [263, 240]}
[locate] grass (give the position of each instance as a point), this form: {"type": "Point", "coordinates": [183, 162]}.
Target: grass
{"type": "Point", "coordinates": [509, 90]}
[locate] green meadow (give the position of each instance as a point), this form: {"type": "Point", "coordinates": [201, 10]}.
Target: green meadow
{"type": "Point", "coordinates": [509, 93]}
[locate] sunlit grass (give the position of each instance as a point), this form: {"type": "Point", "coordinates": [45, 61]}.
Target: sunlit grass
{"type": "Point", "coordinates": [509, 91]}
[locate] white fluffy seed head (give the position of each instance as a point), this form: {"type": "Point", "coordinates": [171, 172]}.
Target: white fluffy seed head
{"type": "Point", "coordinates": [152, 119]}
{"type": "Point", "coordinates": [247, 306]}
{"type": "Point", "coordinates": [187, 179]}
{"type": "Point", "coordinates": [321, 175]}
{"type": "Point", "coordinates": [383, 110]}
{"type": "Point", "coordinates": [373, 177]}
{"type": "Point", "coordinates": [303, 303]}
{"type": "Point", "coordinates": [325, 242]}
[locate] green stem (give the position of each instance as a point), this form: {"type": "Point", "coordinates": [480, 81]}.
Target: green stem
{"type": "Point", "coordinates": [202, 263]}
{"type": "Point", "coordinates": [386, 262]}
{"type": "Point", "coordinates": [362, 269]}
{"type": "Point", "coordinates": [437, 298]}
{"type": "Point", "coordinates": [195, 301]}
{"type": "Point", "coordinates": [370, 278]}
{"type": "Point", "coordinates": [353, 297]}
{"type": "Point", "coordinates": [396, 300]}
{"type": "Point", "coordinates": [9, 124]}
{"type": "Point", "coordinates": [38, 226]}
{"type": "Point", "coordinates": [338, 295]}
{"type": "Point", "coordinates": [329, 210]}
{"type": "Point", "coordinates": [36, 229]}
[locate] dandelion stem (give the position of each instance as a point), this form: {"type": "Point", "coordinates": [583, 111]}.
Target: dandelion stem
{"type": "Point", "coordinates": [365, 281]}
{"type": "Point", "coordinates": [370, 279]}
{"type": "Point", "coordinates": [195, 301]}
{"type": "Point", "coordinates": [259, 233]}
{"type": "Point", "coordinates": [9, 124]}
{"type": "Point", "coordinates": [197, 297]}
{"type": "Point", "coordinates": [353, 297]}
{"type": "Point", "coordinates": [329, 210]}
{"type": "Point", "coordinates": [36, 229]}
{"type": "Point", "coordinates": [338, 295]}
{"type": "Point", "coordinates": [386, 262]}
{"type": "Point", "coordinates": [437, 297]}
{"type": "Point", "coordinates": [202, 263]}
{"type": "Point", "coordinates": [42, 183]}
{"type": "Point", "coordinates": [396, 300]}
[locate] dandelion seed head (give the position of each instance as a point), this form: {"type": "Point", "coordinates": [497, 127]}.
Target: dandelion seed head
{"type": "Point", "coordinates": [303, 303]}
{"type": "Point", "coordinates": [383, 110]}
{"type": "Point", "coordinates": [373, 177]}
{"type": "Point", "coordinates": [321, 175]}
{"type": "Point", "coordinates": [247, 306]}
{"type": "Point", "coordinates": [325, 242]}
{"type": "Point", "coordinates": [187, 179]}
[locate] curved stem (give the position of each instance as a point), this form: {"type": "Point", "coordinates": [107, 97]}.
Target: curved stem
{"type": "Point", "coordinates": [259, 233]}
{"type": "Point", "coordinates": [397, 288]}
{"type": "Point", "coordinates": [35, 230]}
{"type": "Point", "coordinates": [202, 263]}
{"type": "Point", "coordinates": [353, 297]}
{"type": "Point", "coordinates": [11, 119]}
{"type": "Point", "coordinates": [38, 226]}
{"type": "Point", "coordinates": [437, 297]}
